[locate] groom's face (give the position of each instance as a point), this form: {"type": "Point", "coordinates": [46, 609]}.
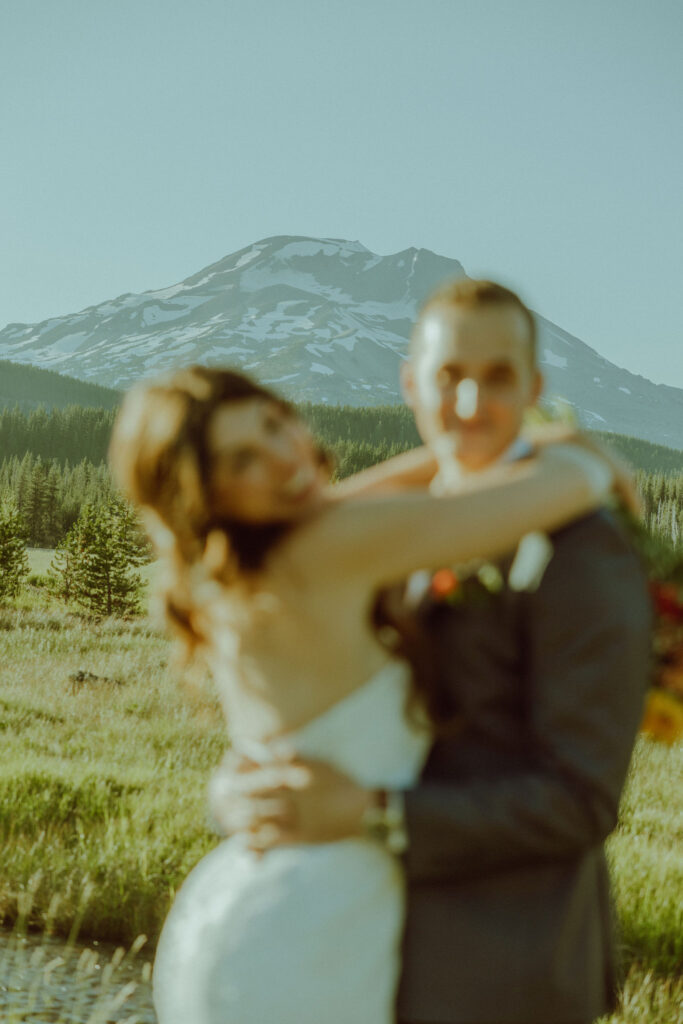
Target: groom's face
{"type": "Point", "coordinates": [470, 379]}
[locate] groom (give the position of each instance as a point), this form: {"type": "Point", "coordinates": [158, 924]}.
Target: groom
{"type": "Point", "coordinates": [538, 694]}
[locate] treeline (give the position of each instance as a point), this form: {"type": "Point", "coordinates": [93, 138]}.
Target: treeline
{"type": "Point", "coordinates": [30, 386]}
{"type": "Point", "coordinates": [49, 496]}
{"type": "Point", "coordinates": [63, 435]}
{"type": "Point", "coordinates": [95, 565]}
{"type": "Point", "coordinates": [77, 433]}
{"type": "Point", "coordinates": [100, 545]}
{"type": "Point", "coordinates": [653, 458]}
{"type": "Point", "coordinates": [52, 464]}
{"type": "Point", "coordinates": [383, 424]}
{"type": "Point", "coordinates": [663, 500]}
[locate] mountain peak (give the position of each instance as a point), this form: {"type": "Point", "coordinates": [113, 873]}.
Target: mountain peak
{"type": "Point", "coordinates": [323, 319]}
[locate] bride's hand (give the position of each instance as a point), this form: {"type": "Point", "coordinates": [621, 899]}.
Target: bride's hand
{"type": "Point", "coordinates": [623, 479]}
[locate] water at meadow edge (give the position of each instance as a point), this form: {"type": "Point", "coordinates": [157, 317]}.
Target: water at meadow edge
{"type": "Point", "coordinates": [43, 980]}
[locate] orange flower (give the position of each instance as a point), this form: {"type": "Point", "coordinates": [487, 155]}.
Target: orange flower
{"type": "Point", "coordinates": [444, 583]}
{"type": "Point", "coordinates": [663, 718]}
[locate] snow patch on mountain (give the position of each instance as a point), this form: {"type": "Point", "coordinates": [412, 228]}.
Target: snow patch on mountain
{"type": "Point", "coordinates": [242, 262]}
{"type": "Point", "coordinates": [594, 416]}
{"type": "Point", "coordinates": [551, 359]}
{"type": "Point", "coordinates": [69, 343]}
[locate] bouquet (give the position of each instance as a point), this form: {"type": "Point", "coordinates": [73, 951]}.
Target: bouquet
{"type": "Point", "coordinates": [663, 719]}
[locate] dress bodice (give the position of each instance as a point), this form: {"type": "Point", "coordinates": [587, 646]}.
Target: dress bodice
{"type": "Point", "coordinates": [369, 735]}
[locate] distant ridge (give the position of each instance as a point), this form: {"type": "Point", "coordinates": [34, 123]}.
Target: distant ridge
{"type": "Point", "coordinates": [30, 387]}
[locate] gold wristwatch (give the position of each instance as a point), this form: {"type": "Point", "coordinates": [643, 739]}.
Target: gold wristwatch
{"type": "Point", "coordinates": [384, 821]}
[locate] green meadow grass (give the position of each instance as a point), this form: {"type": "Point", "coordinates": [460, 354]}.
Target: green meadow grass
{"type": "Point", "coordinates": [102, 784]}
{"type": "Point", "coordinates": [645, 854]}
{"type": "Point", "coordinates": [102, 787]}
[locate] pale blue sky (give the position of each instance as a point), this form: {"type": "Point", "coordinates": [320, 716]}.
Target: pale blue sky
{"type": "Point", "coordinates": [538, 142]}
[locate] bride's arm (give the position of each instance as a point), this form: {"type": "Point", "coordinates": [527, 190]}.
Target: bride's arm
{"type": "Point", "coordinates": [381, 540]}
{"type": "Point", "coordinates": [414, 468]}
{"type": "Point", "coordinates": [417, 467]}
{"type": "Point", "coordinates": [624, 484]}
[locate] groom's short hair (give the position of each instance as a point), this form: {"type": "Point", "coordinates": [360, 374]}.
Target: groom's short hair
{"type": "Point", "coordinates": [471, 294]}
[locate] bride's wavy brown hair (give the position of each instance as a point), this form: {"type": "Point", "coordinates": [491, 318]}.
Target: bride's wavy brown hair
{"type": "Point", "coordinates": [161, 460]}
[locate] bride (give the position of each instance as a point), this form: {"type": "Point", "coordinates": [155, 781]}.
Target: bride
{"type": "Point", "coordinates": [271, 574]}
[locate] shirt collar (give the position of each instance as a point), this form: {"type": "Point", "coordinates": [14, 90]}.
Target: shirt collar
{"type": "Point", "coordinates": [519, 449]}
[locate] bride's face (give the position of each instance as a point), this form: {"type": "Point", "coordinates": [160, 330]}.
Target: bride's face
{"type": "Point", "coordinates": [265, 465]}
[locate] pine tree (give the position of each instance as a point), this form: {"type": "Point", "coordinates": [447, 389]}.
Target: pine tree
{"type": "Point", "coordinates": [95, 563]}
{"type": "Point", "coordinates": [34, 512]}
{"type": "Point", "coordinates": [52, 519]}
{"type": "Point", "coordinates": [23, 484]}
{"type": "Point", "coordinates": [13, 556]}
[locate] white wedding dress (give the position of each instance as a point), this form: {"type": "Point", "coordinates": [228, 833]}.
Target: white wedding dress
{"type": "Point", "coordinates": [304, 934]}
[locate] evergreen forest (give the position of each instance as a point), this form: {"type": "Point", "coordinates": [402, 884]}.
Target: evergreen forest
{"type": "Point", "coordinates": [53, 462]}
{"type": "Point", "coordinates": [30, 387]}
{"type": "Point", "coordinates": [78, 432]}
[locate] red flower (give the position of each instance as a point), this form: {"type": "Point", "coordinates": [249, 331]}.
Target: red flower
{"type": "Point", "coordinates": [667, 601]}
{"type": "Point", "coordinates": [444, 584]}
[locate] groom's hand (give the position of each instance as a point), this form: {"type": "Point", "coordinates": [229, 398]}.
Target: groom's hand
{"type": "Point", "coordinates": [289, 802]}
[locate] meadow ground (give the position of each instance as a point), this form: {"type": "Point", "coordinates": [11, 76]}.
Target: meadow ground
{"type": "Point", "coordinates": [102, 793]}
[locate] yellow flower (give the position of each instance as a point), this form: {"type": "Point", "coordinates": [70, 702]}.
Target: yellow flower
{"type": "Point", "coordinates": [663, 719]}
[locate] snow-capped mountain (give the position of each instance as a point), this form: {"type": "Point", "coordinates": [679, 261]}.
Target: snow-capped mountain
{"type": "Point", "coordinates": [324, 320]}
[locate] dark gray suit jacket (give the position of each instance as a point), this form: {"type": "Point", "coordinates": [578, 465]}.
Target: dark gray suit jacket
{"type": "Point", "coordinates": [509, 916]}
